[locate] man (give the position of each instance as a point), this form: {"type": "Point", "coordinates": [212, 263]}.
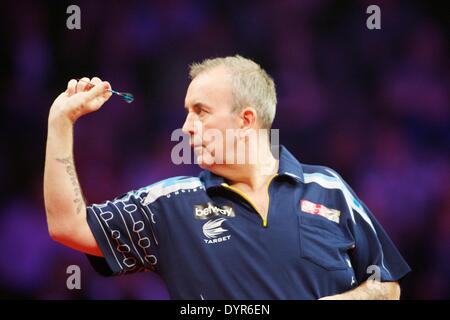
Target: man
{"type": "Point", "coordinates": [267, 229]}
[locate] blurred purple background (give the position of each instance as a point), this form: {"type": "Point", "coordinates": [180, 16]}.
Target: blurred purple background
{"type": "Point", "coordinates": [373, 105]}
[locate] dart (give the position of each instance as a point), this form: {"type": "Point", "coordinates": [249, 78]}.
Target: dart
{"type": "Point", "coordinates": [126, 96]}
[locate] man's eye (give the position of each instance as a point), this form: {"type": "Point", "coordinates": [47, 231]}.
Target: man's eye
{"type": "Point", "coordinates": [200, 111]}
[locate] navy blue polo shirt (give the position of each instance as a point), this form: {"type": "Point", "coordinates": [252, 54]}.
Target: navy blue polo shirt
{"type": "Point", "coordinates": [207, 241]}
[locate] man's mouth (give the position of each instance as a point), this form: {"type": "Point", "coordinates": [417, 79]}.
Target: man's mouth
{"type": "Point", "coordinates": [195, 146]}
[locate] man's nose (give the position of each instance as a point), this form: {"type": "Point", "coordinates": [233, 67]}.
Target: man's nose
{"type": "Point", "coordinates": [188, 126]}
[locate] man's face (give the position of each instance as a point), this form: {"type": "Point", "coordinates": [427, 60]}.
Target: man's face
{"type": "Point", "coordinates": [209, 102]}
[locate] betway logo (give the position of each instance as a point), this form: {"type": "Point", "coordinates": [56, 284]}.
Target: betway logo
{"type": "Point", "coordinates": [206, 211]}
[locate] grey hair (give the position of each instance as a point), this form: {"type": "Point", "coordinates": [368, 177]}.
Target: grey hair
{"type": "Point", "coordinates": [252, 86]}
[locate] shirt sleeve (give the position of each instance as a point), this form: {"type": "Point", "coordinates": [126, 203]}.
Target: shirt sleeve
{"type": "Point", "coordinates": [374, 255]}
{"type": "Point", "coordinates": [125, 232]}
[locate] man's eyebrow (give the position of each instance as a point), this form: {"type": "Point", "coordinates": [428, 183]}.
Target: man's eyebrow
{"type": "Point", "coordinates": [197, 105]}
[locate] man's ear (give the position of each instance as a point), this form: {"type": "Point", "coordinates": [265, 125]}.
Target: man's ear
{"type": "Point", "coordinates": [248, 118]}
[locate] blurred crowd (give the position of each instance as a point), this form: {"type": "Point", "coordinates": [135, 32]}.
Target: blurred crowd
{"type": "Point", "coordinates": [372, 104]}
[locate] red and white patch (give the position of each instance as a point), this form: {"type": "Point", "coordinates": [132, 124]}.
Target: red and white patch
{"type": "Point", "coordinates": [321, 210]}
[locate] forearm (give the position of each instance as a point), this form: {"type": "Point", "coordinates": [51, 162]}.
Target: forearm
{"type": "Point", "coordinates": [370, 290]}
{"type": "Point", "coordinates": [63, 198]}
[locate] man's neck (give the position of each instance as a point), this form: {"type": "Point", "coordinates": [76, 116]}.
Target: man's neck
{"type": "Point", "coordinates": [252, 176]}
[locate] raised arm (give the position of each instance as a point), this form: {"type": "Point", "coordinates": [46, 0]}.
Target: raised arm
{"type": "Point", "coordinates": [64, 203]}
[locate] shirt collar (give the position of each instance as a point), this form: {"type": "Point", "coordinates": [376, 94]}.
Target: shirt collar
{"type": "Point", "coordinates": [289, 166]}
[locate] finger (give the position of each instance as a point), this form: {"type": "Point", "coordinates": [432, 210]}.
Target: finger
{"type": "Point", "coordinates": [82, 84]}
{"type": "Point", "coordinates": [97, 91]}
{"type": "Point", "coordinates": [107, 94]}
{"type": "Point", "coordinates": [107, 85]}
{"type": "Point", "coordinates": [96, 80]}
{"type": "Point", "coordinates": [71, 87]}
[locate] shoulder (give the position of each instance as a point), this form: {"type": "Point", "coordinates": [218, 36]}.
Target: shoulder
{"type": "Point", "coordinates": [166, 187]}
{"type": "Point", "coordinates": [320, 174]}
{"type": "Point", "coordinates": [328, 178]}
{"type": "Point", "coordinates": [313, 168]}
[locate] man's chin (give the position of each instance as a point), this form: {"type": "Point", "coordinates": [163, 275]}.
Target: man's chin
{"type": "Point", "coordinates": [207, 165]}
{"type": "Point", "coordinates": [203, 158]}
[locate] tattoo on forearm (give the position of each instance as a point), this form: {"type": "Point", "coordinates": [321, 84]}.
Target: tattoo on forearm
{"type": "Point", "coordinates": [70, 169]}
